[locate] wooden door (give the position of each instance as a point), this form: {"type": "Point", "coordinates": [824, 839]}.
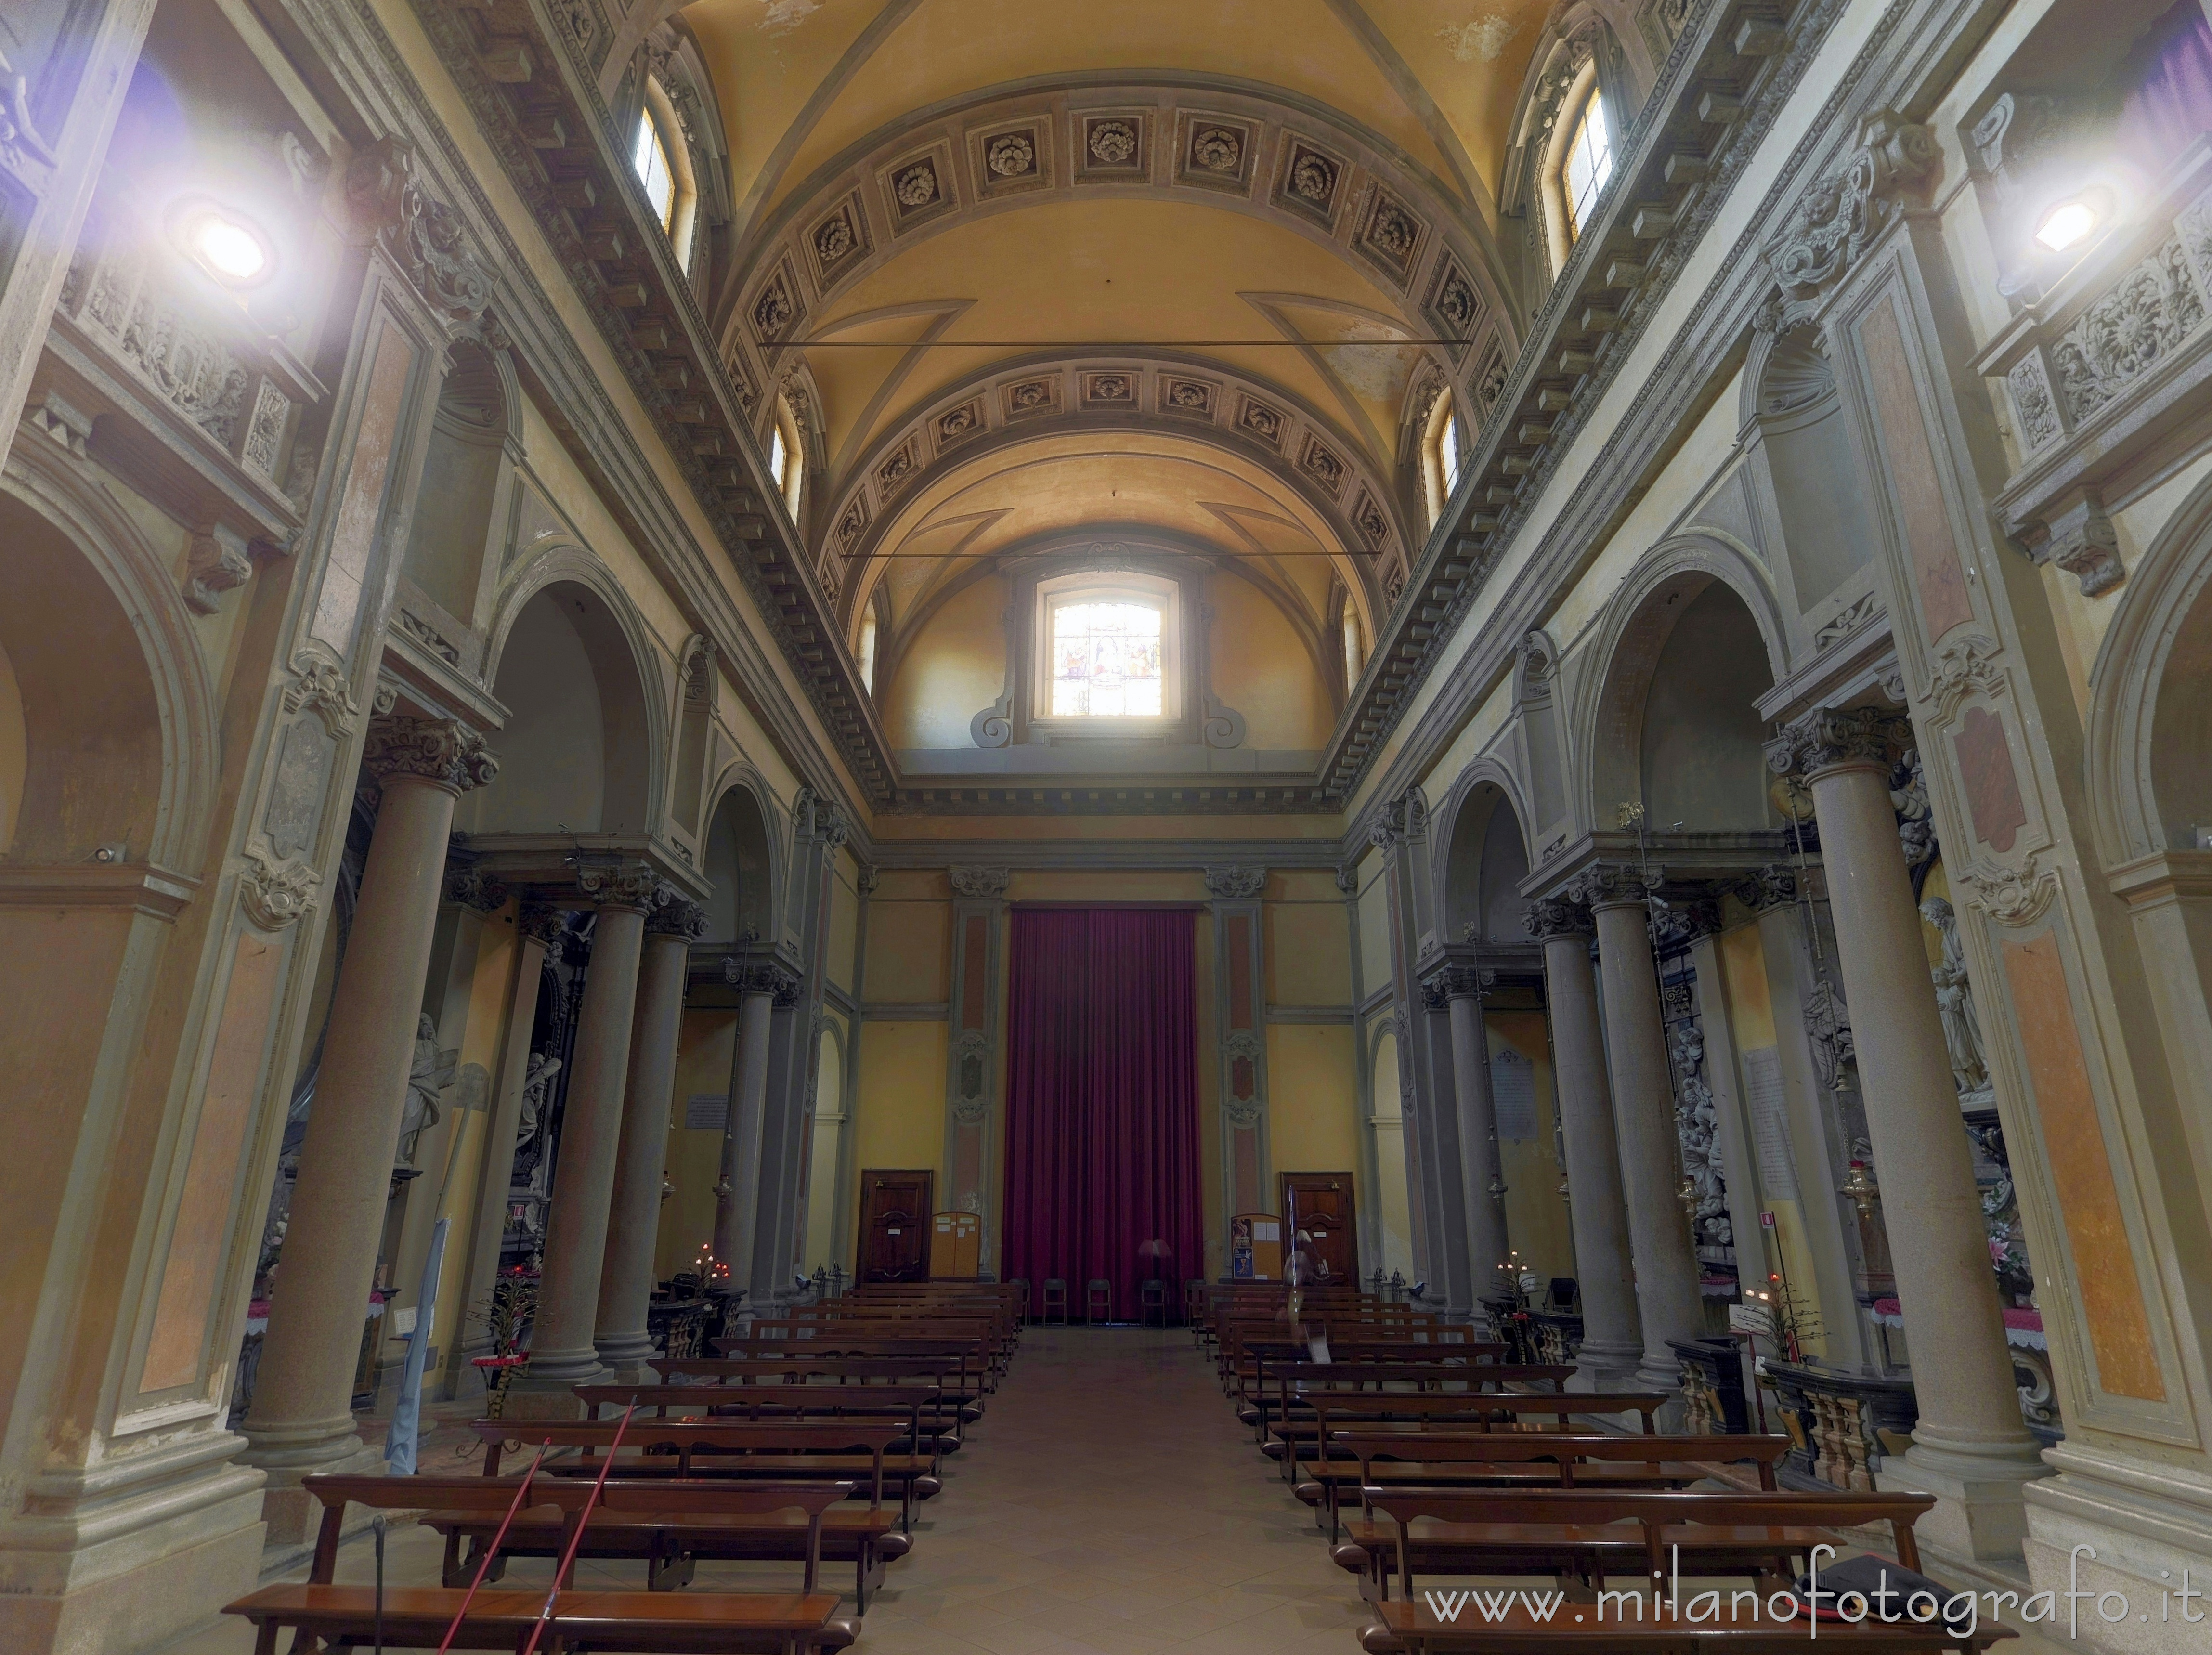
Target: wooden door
{"type": "Point", "coordinates": [895, 1216]}
{"type": "Point", "coordinates": [1320, 1204]}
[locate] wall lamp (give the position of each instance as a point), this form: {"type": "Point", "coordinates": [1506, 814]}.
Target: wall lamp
{"type": "Point", "coordinates": [226, 244]}
{"type": "Point", "coordinates": [2068, 223]}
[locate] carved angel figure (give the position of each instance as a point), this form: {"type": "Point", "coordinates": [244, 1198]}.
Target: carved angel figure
{"type": "Point", "coordinates": [1955, 1000]}
{"type": "Point", "coordinates": [536, 1079]}
{"type": "Point", "coordinates": [433, 1072]}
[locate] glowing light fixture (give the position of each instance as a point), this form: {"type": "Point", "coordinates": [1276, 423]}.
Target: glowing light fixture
{"type": "Point", "coordinates": [2067, 225]}
{"type": "Point", "coordinates": [225, 244]}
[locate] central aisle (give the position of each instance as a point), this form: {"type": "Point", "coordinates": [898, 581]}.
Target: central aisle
{"type": "Point", "coordinates": [1109, 1500]}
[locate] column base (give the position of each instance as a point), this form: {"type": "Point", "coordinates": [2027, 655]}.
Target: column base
{"type": "Point", "coordinates": [624, 1356]}
{"type": "Point", "coordinates": [1978, 1512]}
{"type": "Point", "coordinates": [291, 1513]}
{"type": "Point", "coordinates": [2149, 1530]}
{"type": "Point", "coordinates": [1601, 1367]}
{"type": "Point", "coordinates": [148, 1601]}
{"type": "Point", "coordinates": [545, 1388]}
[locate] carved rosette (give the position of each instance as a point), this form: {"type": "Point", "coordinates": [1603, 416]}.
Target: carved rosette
{"type": "Point", "coordinates": [1235, 884]}
{"type": "Point", "coordinates": [621, 884]}
{"type": "Point", "coordinates": [1558, 916]}
{"type": "Point", "coordinates": [677, 918]}
{"type": "Point", "coordinates": [435, 750]}
{"type": "Point", "coordinates": [980, 884]}
{"type": "Point", "coordinates": [1827, 740]}
{"type": "Point", "coordinates": [275, 893]}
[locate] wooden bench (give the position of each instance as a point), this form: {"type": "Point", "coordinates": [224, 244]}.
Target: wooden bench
{"type": "Point", "coordinates": [930, 1430]}
{"type": "Point", "coordinates": [1585, 1534]}
{"type": "Point", "coordinates": [959, 1384]}
{"type": "Point", "coordinates": [1292, 1415]}
{"type": "Point", "coordinates": [784, 1451]}
{"type": "Point", "coordinates": [417, 1617]}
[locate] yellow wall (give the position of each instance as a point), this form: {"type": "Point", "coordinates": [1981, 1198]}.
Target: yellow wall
{"type": "Point", "coordinates": [901, 1115]}
{"type": "Point", "coordinates": [955, 667]}
{"type": "Point", "coordinates": [1264, 670]}
{"type": "Point", "coordinates": [1537, 1223]}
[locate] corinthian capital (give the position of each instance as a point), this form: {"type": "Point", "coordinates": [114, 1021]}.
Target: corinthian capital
{"type": "Point", "coordinates": [1612, 884]}
{"type": "Point", "coordinates": [1235, 884]}
{"type": "Point", "coordinates": [677, 918]}
{"type": "Point", "coordinates": [1825, 738]}
{"type": "Point", "coordinates": [616, 882]}
{"type": "Point", "coordinates": [762, 976]}
{"type": "Point", "coordinates": [1558, 916]}
{"type": "Point", "coordinates": [428, 749]}
{"type": "Point", "coordinates": [980, 884]}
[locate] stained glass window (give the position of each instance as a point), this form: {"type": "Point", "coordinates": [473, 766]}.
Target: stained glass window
{"type": "Point", "coordinates": [1590, 163]}
{"type": "Point", "coordinates": [1106, 661]}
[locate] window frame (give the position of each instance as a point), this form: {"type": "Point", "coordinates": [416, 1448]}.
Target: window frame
{"type": "Point", "coordinates": [1440, 466]}
{"type": "Point", "coordinates": [790, 478]}
{"type": "Point", "coordinates": [1058, 592]}
{"type": "Point", "coordinates": [658, 109]}
{"type": "Point", "coordinates": [1561, 231]}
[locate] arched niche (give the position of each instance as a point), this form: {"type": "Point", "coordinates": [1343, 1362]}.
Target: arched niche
{"type": "Point", "coordinates": [1677, 728]}
{"type": "Point", "coordinates": [459, 522]}
{"type": "Point", "coordinates": [740, 867]}
{"type": "Point", "coordinates": [1828, 532]}
{"type": "Point", "coordinates": [1486, 858]}
{"type": "Point", "coordinates": [106, 724]}
{"type": "Point", "coordinates": [577, 755]}
{"type": "Point", "coordinates": [2149, 752]}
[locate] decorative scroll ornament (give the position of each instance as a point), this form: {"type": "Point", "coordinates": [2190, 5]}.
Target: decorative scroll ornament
{"type": "Point", "coordinates": [1347, 879]}
{"type": "Point", "coordinates": [1558, 916]}
{"type": "Point", "coordinates": [2011, 896]}
{"type": "Point", "coordinates": [544, 925]}
{"type": "Point", "coordinates": [1697, 1126]}
{"type": "Point", "coordinates": [1964, 665]}
{"type": "Point", "coordinates": [274, 894]}
{"type": "Point", "coordinates": [1916, 817]}
{"type": "Point", "coordinates": [1824, 739]}
{"type": "Point", "coordinates": [616, 882]}
{"type": "Point", "coordinates": [423, 235]}
{"type": "Point", "coordinates": [432, 749]}
{"type": "Point", "coordinates": [1235, 884]}
{"type": "Point", "coordinates": [2084, 543]}
{"type": "Point", "coordinates": [762, 976]}
{"type": "Point", "coordinates": [1242, 1048]}
{"type": "Point", "coordinates": [970, 1053]}
{"type": "Point", "coordinates": [677, 917]}
{"type": "Point", "coordinates": [1774, 885]}
{"type": "Point", "coordinates": [980, 884]}
{"type": "Point", "coordinates": [1613, 884]}
{"type": "Point", "coordinates": [216, 564]}
{"type": "Point", "coordinates": [1896, 166]}
{"type": "Point", "coordinates": [320, 687]}
{"type": "Point", "coordinates": [1677, 922]}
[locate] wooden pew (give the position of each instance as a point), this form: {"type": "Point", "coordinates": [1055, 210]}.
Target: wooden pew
{"type": "Point", "coordinates": [960, 1399]}
{"type": "Point", "coordinates": [789, 1453]}
{"type": "Point", "coordinates": [417, 1617]}
{"type": "Point", "coordinates": [917, 1405]}
{"type": "Point", "coordinates": [1587, 1534]}
{"type": "Point", "coordinates": [973, 1359]}
{"type": "Point", "coordinates": [1288, 1416]}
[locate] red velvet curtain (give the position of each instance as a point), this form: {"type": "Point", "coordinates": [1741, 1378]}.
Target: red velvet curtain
{"type": "Point", "coordinates": [1102, 1100]}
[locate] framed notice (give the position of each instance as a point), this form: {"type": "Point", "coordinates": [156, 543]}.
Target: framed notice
{"type": "Point", "coordinates": [706, 1111]}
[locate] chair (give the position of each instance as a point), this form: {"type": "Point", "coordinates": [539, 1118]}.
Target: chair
{"type": "Point", "coordinates": [1055, 1299]}
{"type": "Point", "coordinates": [1097, 1292]}
{"type": "Point", "coordinates": [1152, 1296]}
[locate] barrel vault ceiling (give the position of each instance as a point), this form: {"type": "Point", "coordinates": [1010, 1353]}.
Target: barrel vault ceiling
{"type": "Point", "coordinates": [1027, 268]}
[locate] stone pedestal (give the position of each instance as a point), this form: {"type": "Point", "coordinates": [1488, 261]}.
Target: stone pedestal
{"type": "Point", "coordinates": [301, 1421]}
{"type": "Point", "coordinates": [1969, 1448]}
{"type": "Point", "coordinates": [562, 1353]}
{"type": "Point", "coordinates": [1611, 1344]}
{"type": "Point", "coordinates": [633, 1221]}
{"type": "Point", "coordinates": [1644, 1115]}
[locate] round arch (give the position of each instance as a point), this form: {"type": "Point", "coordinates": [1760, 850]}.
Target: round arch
{"type": "Point", "coordinates": [743, 857]}
{"type": "Point", "coordinates": [1479, 837]}
{"type": "Point", "coordinates": [1641, 621]}
{"type": "Point", "coordinates": [141, 747]}
{"type": "Point", "coordinates": [2150, 696]}
{"type": "Point", "coordinates": [588, 662]}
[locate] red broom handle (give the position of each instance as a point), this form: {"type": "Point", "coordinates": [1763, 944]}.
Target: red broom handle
{"type": "Point", "coordinates": [577, 1540]}
{"type": "Point", "coordinates": [520, 1495]}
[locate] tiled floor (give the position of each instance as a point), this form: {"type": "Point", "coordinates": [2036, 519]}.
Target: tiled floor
{"type": "Point", "coordinates": [1109, 1501]}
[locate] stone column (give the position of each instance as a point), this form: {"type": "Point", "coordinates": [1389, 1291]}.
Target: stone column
{"type": "Point", "coordinates": [1596, 1209]}
{"type": "Point", "coordinates": [1482, 1183]}
{"type": "Point", "coordinates": [634, 1222]}
{"type": "Point", "coordinates": [1969, 1448]}
{"type": "Point", "coordinates": [562, 1355]}
{"type": "Point", "coordinates": [535, 933]}
{"type": "Point", "coordinates": [737, 1194]}
{"type": "Point", "coordinates": [301, 1420]}
{"type": "Point", "coordinates": [1644, 1120]}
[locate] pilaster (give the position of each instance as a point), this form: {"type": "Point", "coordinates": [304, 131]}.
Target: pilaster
{"type": "Point", "coordinates": [975, 1058]}
{"type": "Point", "coordinates": [1240, 978]}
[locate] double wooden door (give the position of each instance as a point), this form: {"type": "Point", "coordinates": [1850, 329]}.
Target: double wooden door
{"type": "Point", "coordinates": [895, 1208]}
{"type": "Point", "coordinates": [1320, 1205]}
